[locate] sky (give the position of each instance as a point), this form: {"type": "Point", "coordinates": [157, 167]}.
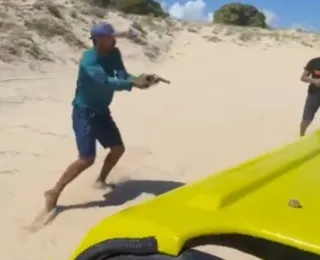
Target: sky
{"type": "Point", "coordinates": [302, 14]}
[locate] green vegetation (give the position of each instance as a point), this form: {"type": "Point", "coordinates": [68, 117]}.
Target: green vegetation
{"type": "Point", "coordinates": [140, 7]}
{"type": "Point", "coordinates": [241, 15]}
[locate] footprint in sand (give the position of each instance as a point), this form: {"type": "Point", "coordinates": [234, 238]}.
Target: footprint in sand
{"type": "Point", "coordinates": [42, 219]}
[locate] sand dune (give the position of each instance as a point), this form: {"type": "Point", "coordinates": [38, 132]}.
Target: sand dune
{"type": "Point", "coordinates": [227, 103]}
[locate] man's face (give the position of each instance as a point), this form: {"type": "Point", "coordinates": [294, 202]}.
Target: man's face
{"type": "Point", "coordinates": [105, 42]}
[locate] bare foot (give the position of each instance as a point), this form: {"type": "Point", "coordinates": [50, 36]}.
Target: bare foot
{"type": "Point", "coordinates": [51, 199]}
{"type": "Point", "coordinates": [101, 185]}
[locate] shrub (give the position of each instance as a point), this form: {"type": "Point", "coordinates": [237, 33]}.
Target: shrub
{"type": "Point", "coordinates": [241, 15]}
{"type": "Point", "coordinates": [100, 3]}
{"type": "Point", "coordinates": [141, 7]}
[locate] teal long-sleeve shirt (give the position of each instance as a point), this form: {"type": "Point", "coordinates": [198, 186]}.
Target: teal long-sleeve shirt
{"type": "Point", "coordinates": [98, 78]}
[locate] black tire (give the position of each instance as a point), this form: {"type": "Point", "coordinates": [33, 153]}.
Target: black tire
{"type": "Point", "coordinates": [137, 249]}
{"type": "Point", "coordinates": [186, 255]}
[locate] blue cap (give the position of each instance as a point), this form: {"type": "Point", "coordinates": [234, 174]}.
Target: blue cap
{"type": "Point", "coordinates": [102, 29]}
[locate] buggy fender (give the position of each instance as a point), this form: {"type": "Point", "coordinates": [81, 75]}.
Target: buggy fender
{"type": "Point", "coordinates": [273, 197]}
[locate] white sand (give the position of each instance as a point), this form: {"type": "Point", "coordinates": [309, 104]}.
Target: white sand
{"type": "Point", "coordinates": [226, 104]}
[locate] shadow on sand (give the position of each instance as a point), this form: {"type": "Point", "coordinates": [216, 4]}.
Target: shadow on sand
{"type": "Point", "coordinates": [123, 192]}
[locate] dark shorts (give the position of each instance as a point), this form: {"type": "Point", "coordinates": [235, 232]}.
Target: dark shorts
{"type": "Point", "coordinates": [311, 106]}
{"type": "Point", "coordinates": [90, 127]}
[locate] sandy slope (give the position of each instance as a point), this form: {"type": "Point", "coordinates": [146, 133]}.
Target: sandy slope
{"type": "Point", "coordinates": [226, 104]}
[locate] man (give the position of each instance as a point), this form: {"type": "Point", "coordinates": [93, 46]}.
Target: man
{"type": "Point", "coordinates": [311, 75]}
{"type": "Point", "coordinates": [101, 73]}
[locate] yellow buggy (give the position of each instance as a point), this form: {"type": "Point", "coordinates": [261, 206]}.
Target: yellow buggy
{"type": "Point", "coordinates": [268, 207]}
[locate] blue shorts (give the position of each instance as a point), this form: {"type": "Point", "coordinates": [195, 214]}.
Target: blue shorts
{"type": "Point", "coordinates": [90, 127]}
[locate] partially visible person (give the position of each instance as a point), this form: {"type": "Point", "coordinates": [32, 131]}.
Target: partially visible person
{"type": "Point", "coordinates": [311, 75]}
{"type": "Point", "coordinates": [101, 74]}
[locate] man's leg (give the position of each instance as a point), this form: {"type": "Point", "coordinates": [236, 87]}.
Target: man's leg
{"type": "Point", "coordinates": [73, 171]}
{"type": "Point", "coordinates": [304, 126]}
{"type": "Point", "coordinates": [109, 136]}
{"type": "Point", "coordinates": [310, 108]}
{"type": "Point", "coordinates": [109, 163]}
{"type": "Point", "coordinates": [86, 147]}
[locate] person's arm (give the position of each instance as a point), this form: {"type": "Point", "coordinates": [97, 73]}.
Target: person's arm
{"type": "Point", "coordinates": [122, 72]}
{"type": "Point", "coordinates": [96, 72]}
{"type": "Point", "coordinates": [305, 77]}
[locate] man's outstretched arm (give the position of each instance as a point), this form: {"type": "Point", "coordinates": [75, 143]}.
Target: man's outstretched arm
{"type": "Point", "coordinates": [122, 72]}
{"type": "Point", "coordinates": [306, 75]}
{"type": "Point", "coordinates": [95, 71]}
